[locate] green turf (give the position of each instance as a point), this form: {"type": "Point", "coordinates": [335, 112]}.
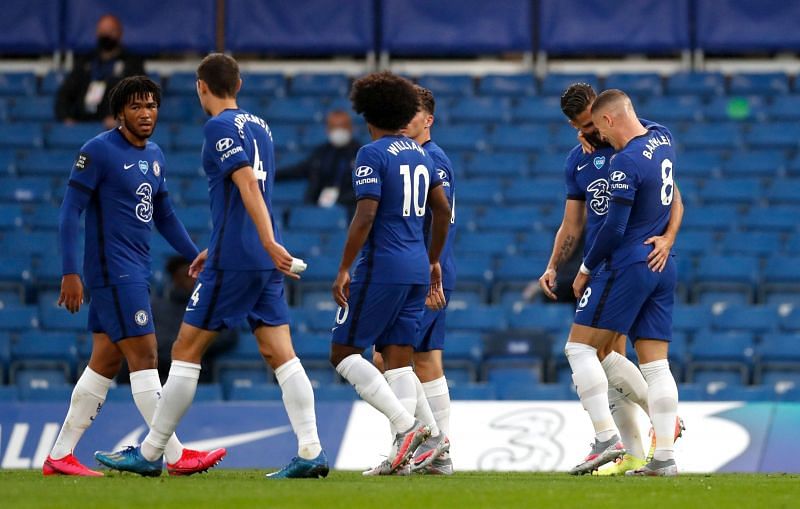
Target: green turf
{"type": "Point", "coordinates": [248, 488]}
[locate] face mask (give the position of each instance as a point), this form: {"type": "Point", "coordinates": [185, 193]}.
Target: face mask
{"type": "Point", "coordinates": [106, 43]}
{"type": "Point", "coordinates": [339, 137]}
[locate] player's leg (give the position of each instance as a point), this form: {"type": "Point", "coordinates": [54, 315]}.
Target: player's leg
{"type": "Point", "coordinates": [87, 399]}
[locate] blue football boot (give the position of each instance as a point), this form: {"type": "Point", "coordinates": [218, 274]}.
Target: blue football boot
{"type": "Point", "coordinates": [300, 468]}
{"type": "Point", "coordinates": [130, 459]}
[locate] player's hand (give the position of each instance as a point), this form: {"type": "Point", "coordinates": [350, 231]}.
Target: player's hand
{"type": "Point", "coordinates": [71, 296]}
{"type": "Point", "coordinates": [282, 259]}
{"type": "Point", "coordinates": [341, 288]}
{"type": "Point", "coordinates": [579, 285]}
{"type": "Point", "coordinates": [657, 259]}
{"type": "Point", "coordinates": [586, 146]}
{"type": "Point", "coordinates": [436, 299]}
{"type": "Point", "coordinates": [198, 264]}
{"type": "Point", "coordinates": [548, 283]}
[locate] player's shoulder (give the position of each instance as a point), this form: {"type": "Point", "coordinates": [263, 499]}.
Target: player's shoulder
{"type": "Point", "coordinates": [438, 154]}
{"type": "Point", "coordinates": [98, 146]}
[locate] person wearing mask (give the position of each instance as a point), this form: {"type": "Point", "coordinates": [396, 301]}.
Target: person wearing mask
{"type": "Point", "coordinates": [329, 167]}
{"type": "Point", "coordinates": [83, 96]}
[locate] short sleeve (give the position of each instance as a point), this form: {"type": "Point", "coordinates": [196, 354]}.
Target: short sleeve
{"type": "Point", "coordinates": [437, 177]}
{"type": "Point", "coordinates": [444, 172]}
{"type": "Point", "coordinates": [223, 141]}
{"type": "Point", "coordinates": [367, 173]}
{"type": "Point", "coordinates": [623, 179]}
{"type": "Point", "coordinates": [88, 169]}
{"type": "Point", "coordinates": [162, 174]}
{"type": "Point", "coordinates": [574, 192]}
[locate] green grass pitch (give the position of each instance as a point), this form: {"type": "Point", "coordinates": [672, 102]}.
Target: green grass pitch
{"type": "Point", "coordinates": [247, 488]}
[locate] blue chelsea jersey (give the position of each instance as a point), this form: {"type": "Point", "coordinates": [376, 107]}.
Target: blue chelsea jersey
{"type": "Point", "coordinates": [123, 181]}
{"type": "Point", "coordinates": [235, 139]}
{"type": "Point", "coordinates": [586, 177]}
{"type": "Point", "coordinates": [444, 168]}
{"type": "Point", "coordinates": [398, 173]}
{"type": "Point", "coordinates": [642, 175]}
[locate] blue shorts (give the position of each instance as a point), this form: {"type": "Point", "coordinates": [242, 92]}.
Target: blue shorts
{"type": "Point", "coordinates": [632, 300]}
{"type": "Point", "coordinates": [223, 299]}
{"type": "Point", "coordinates": [121, 311]}
{"type": "Point", "coordinates": [380, 315]}
{"type": "Point", "coordinates": [432, 328]}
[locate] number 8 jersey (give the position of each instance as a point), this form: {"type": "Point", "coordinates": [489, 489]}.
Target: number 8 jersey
{"type": "Point", "coordinates": [233, 140]}
{"type": "Point", "coordinates": [641, 175]}
{"type": "Point", "coordinates": [398, 173]}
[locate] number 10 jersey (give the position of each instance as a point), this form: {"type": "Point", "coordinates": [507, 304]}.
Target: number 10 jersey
{"type": "Point", "coordinates": [235, 139]}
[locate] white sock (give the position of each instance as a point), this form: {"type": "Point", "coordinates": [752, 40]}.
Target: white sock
{"type": "Point", "coordinates": [623, 374]}
{"type": "Point", "coordinates": [84, 405]}
{"type": "Point", "coordinates": [438, 395]}
{"type": "Point", "coordinates": [423, 410]}
{"type": "Point", "coordinates": [373, 388]}
{"type": "Point", "coordinates": [298, 399]}
{"type": "Point", "coordinates": [626, 416]}
{"type": "Point", "coordinates": [662, 395]}
{"type": "Point", "coordinates": [176, 397]}
{"type": "Point", "coordinates": [592, 384]}
{"type": "Point", "coordinates": [146, 390]}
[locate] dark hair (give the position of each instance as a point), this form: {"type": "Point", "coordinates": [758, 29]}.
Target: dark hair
{"type": "Point", "coordinates": [386, 100]}
{"type": "Point", "coordinates": [426, 100]}
{"type": "Point", "coordinates": [608, 97]}
{"type": "Point", "coordinates": [130, 89]}
{"type": "Point", "coordinates": [576, 99]}
{"type": "Point", "coordinates": [221, 73]}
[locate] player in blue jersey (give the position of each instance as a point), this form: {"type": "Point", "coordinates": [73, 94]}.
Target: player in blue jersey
{"type": "Point", "coordinates": [240, 278]}
{"type": "Point", "coordinates": [119, 180]}
{"type": "Point", "coordinates": [586, 177]}
{"type": "Point", "coordinates": [619, 293]}
{"type": "Point", "coordinates": [394, 181]}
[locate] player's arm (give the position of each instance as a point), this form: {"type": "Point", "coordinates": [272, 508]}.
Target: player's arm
{"type": "Point", "coordinates": [171, 228]}
{"type": "Point", "coordinates": [75, 202]}
{"type": "Point", "coordinates": [440, 226]}
{"type": "Point", "coordinates": [250, 190]}
{"type": "Point", "coordinates": [360, 226]}
{"type": "Point", "coordinates": [662, 244]}
{"type": "Point", "coordinates": [567, 238]}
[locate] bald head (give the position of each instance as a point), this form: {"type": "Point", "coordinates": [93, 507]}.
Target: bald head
{"type": "Point", "coordinates": [615, 118]}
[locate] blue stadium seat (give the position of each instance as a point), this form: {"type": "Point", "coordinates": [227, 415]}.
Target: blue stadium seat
{"type": "Point", "coordinates": [460, 137]}
{"type": "Point", "coordinates": [778, 297]}
{"type": "Point", "coordinates": [302, 243]}
{"type": "Point", "coordinates": [715, 217]}
{"type": "Point", "coordinates": [512, 85]}
{"type": "Point", "coordinates": [694, 243]}
{"type": "Point", "coordinates": [538, 109]}
{"type": "Point", "coordinates": [314, 348]}
{"type": "Point", "coordinates": [684, 108]}
{"type": "Point", "coordinates": [263, 84]}
{"type": "Point", "coordinates": [294, 110]}
{"type": "Point", "coordinates": [519, 270]}
{"type": "Point", "coordinates": [781, 275]}
{"type": "Point", "coordinates": [726, 273]}
{"type": "Point", "coordinates": [181, 83]}
{"type": "Point", "coordinates": [719, 136]}
{"type": "Point", "coordinates": [484, 164]}
{"type": "Point", "coordinates": [178, 109]}
{"type": "Point", "coordinates": [778, 352]}
{"type": "Point", "coordinates": [71, 137]}
{"type": "Point", "coordinates": [485, 243]}
{"type": "Point", "coordinates": [257, 392]}
{"type": "Point", "coordinates": [755, 163]}
{"type": "Point", "coordinates": [715, 298]}
{"type": "Point", "coordinates": [50, 163]}
{"type": "Point", "coordinates": [732, 191]}
{"type": "Point", "coordinates": [289, 193]}
{"type": "Point", "coordinates": [550, 165]}
{"type": "Point", "coordinates": [480, 192]}
{"type": "Point", "coordinates": [8, 394]}
{"type": "Point", "coordinates": [242, 377]}
{"type": "Point", "coordinates": [501, 376]}
{"type": "Point", "coordinates": [704, 84]}
{"type": "Point", "coordinates": [21, 135]}
{"type": "Point", "coordinates": [783, 191]}
{"type": "Point", "coordinates": [58, 393]}
{"type": "Point", "coordinates": [691, 392]}
{"type": "Point", "coordinates": [539, 392]}
{"type": "Point", "coordinates": [10, 216]}
{"type": "Point", "coordinates": [712, 380]}
{"type": "Point", "coordinates": [55, 318]}
{"type": "Point", "coordinates": [209, 392]}
{"type": "Point", "coordinates": [459, 376]}
{"type": "Point", "coordinates": [320, 85]}
{"type": "Point", "coordinates": [312, 136]}
{"type": "Point", "coordinates": [464, 350]}
{"type": "Point", "coordinates": [722, 109]}
{"type": "Point", "coordinates": [699, 163]}
{"type": "Point", "coordinates": [746, 393]}
{"type": "Point", "coordinates": [752, 319]}
{"type": "Point", "coordinates": [317, 218]}
{"type": "Point", "coordinates": [19, 318]}
{"type": "Point", "coordinates": [722, 351]}
{"type": "Point", "coordinates": [322, 376]}
{"type": "Point", "coordinates": [32, 109]}
{"type": "Point", "coordinates": [189, 137]}
{"type": "Point", "coordinates": [564, 138]}
{"type": "Point", "coordinates": [321, 269]}
{"type": "Point", "coordinates": [475, 269]}
{"type": "Point", "coordinates": [757, 243]}
{"type": "Point", "coordinates": [37, 349]}
{"type": "Point", "coordinates": [285, 136]}
{"type": "Point", "coordinates": [17, 84]}
{"type": "Point", "coordinates": [476, 392]}
{"type": "Point", "coordinates": [51, 82]}
{"type": "Point", "coordinates": [771, 219]}
{"type": "Point", "coordinates": [476, 318]}
{"type": "Point", "coordinates": [555, 83]}
{"type": "Point", "coordinates": [519, 138]}
{"type": "Point", "coordinates": [552, 318]}
{"type": "Point", "coordinates": [767, 84]}
{"type": "Point", "coordinates": [535, 244]}
{"type": "Point", "coordinates": [480, 110]}
{"type": "Point", "coordinates": [645, 84]}
{"type": "Point", "coordinates": [784, 107]}
{"type": "Point", "coordinates": [448, 85]}
{"type": "Point", "coordinates": [774, 135]}
{"type": "Point", "coordinates": [508, 219]}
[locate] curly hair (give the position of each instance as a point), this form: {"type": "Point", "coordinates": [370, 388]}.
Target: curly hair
{"type": "Point", "coordinates": [576, 99]}
{"type": "Point", "coordinates": [386, 100]}
{"type": "Point", "coordinates": [131, 88]}
{"type": "Point", "coordinates": [426, 101]}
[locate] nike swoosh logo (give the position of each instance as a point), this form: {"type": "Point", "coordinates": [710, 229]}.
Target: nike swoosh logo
{"type": "Point", "coordinates": [189, 309]}
{"type": "Point", "coordinates": [211, 443]}
{"type": "Point", "coordinates": [582, 167]}
{"type": "Point", "coordinates": [578, 310]}
{"type": "Point", "coordinates": [127, 166]}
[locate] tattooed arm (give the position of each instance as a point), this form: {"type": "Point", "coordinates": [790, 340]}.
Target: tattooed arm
{"type": "Point", "coordinates": [566, 239]}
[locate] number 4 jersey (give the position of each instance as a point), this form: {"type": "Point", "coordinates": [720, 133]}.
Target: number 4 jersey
{"type": "Point", "coordinates": [640, 175]}
{"type": "Point", "coordinates": [235, 139]}
{"type": "Point", "coordinates": [123, 180]}
{"type": "Point", "coordinates": [398, 173]}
